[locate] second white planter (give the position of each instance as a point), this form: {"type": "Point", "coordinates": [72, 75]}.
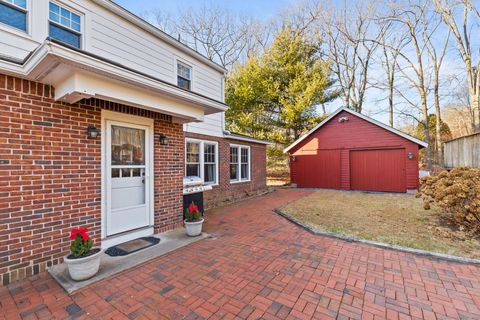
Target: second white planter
{"type": "Point", "coordinates": [194, 228]}
{"type": "Point", "coordinates": [83, 268]}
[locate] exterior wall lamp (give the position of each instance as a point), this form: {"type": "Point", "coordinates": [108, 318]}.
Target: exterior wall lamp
{"type": "Point", "coordinates": [410, 155]}
{"type": "Point", "coordinates": [163, 139]}
{"type": "Point", "coordinates": [93, 132]}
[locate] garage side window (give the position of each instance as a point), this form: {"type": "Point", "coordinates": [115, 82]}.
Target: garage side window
{"type": "Point", "coordinates": [14, 13]}
{"type": "Point", "coordinates": [239, 163]}
{"type": "Point", "coordinates": [201, 160]}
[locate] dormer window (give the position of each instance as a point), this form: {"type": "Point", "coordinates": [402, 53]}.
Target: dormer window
{"type": "Point", "coordinates": [184, 74]}
{"type": "Point", "coordinates": [14, 13]}
{"type": "Point", "coordinates": [64, 25]}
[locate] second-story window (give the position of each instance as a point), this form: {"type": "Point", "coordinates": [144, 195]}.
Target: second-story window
{"type": "Point", "coordinates": [64, 25]}
{"type": "Point", "coordinates": [14, 13]}
{"type": "Point", "coordinates": [184, 74]}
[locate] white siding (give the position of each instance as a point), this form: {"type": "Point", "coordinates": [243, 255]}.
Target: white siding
{"type": "Point", "coordinates": [114, 38]}
{"type": "Point", "coordinates": [15, 46]}
{"type": "Point", "coordinates": [211, 126]}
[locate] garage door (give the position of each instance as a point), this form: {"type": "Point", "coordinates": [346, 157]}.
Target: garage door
{"type": "Point", "coordinates": [319, 171]}
{"type": "Point", "coordinates": [378, 170]}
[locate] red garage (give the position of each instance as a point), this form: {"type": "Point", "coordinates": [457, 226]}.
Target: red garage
{"type": "Point", "coordinates": [350, 151]}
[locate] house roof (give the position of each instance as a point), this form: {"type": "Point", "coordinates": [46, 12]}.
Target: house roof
{"type": "Point", "coordinates": [362, 116]}
{"type": "Point", "coordinates": [242, 137]}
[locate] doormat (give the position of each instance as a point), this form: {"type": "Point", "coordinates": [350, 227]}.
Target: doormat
{"type": "Point", "coordinates": [131, 246]}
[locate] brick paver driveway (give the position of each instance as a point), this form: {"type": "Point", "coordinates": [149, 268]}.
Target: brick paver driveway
{"type": "Point", "coordinates": [258, 265]}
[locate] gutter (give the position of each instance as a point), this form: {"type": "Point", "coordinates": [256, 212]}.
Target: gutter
{"type": "Point", "coordinates": [233, 136]}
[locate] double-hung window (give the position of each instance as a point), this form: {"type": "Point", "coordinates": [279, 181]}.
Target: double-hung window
{"type": "Point", "coordinates": [192, 166]}
{"type": "Point", "coordinates": [14, 13]}
{"type": "Point", "coordinates": [239, 163]}
{"type": "Point", "coordinates": [201, 160]}
{"type": "Point", "coordinates": [209, 163]}
{"type": "Point", "coordinates": [64, 25]}
{"type": "Point", "coordinates": [184, 76]}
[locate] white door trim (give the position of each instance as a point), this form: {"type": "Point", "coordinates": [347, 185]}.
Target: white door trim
{"type": "Point", "coordinates": [149, 180]}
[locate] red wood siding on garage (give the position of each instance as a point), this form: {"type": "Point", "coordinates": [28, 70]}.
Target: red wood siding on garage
{"type": "Point", "coordinates": [378, 170]}
{"type": "Point", "coordinates": [319, 171]}
{"type": "Point", "coordinates": [355, 134]}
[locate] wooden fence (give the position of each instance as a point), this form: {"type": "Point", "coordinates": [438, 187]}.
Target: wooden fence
{"type": "Point", "coordinates": [463, 151]}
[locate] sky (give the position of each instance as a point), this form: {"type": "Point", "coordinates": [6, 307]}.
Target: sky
{"type": "Point", "coordinates": [374, 104]}
{"type": "Point", "coordinates": [262, 9]}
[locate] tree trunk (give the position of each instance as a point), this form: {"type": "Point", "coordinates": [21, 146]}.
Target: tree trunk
{"type": "Point", "coordinates": [390, 102]}
{"type": "Point", "coordinates": [475, 112]}
{"type": "Point", "coordinates": [426, 132]}
{"type": "Point", "coordinates": [473, 104]}
{"type": "Point", "coordinates": [438, 124]}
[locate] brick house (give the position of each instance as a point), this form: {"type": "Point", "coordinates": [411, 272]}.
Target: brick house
{"type": "Point", "coordinates": [101, 117]}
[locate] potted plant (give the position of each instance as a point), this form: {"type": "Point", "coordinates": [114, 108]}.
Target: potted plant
{"type": "Point", "coordinates": [193, 220]}
{"type": "Point", "coordinates": [83, 261]}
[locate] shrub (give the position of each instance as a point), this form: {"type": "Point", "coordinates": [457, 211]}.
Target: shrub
{"type": "Point", "coordinates": [457, 193]}
{"type": "Point", "coordinates": [81, 242]}
{"type": "Point", "coordinates": [192, 213]}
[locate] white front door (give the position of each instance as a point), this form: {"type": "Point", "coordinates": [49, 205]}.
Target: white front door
{"type": "Point", "coordinates": [128, 167]}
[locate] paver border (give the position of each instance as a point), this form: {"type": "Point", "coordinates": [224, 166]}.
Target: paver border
{"type": "Point", "coordinates": [321, 232]}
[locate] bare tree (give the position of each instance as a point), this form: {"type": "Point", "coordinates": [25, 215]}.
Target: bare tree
{"type": "Point", "coordinates": [219, 34]}
{"type": "Point", "coordinates": [436, 59]}
{"type": "Point", "coordinates": [392, 42]}
{"type": "Point", "coordinates": [346, 30]}
{"type": "Point", "coordinates": [215, 32]}
{"type": "Point", "coordinates": [458, 114]}
{"type": "Point", "coordinates": [416, 19]}
{"type": "Point", "coordinates": [457, 16]}
{"type": "Point", "coordinates": [161, 19]}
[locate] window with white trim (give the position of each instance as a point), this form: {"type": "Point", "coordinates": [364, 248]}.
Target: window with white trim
{"type": "Point", "coordinates": [209, 163]}
{"type": "Point", "coordinates": [184, 76]}
{"type": "Point", "coordinates": [201, 160]}
{"type": "Point", "coordinates": [239, 163]}
{"type": "Point", "coordinates": [14, 13]}
{"type": "Point", "coordinates": [64, 25]}
{"type": "Point", "coordinates": [192, 157]}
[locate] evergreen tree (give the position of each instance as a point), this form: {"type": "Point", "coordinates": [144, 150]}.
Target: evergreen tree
{"type": "Point", "coordinates": [276, 96]}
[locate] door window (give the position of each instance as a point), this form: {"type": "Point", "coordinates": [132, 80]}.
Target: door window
{"type": "Point", "coordinates": [128, 146]}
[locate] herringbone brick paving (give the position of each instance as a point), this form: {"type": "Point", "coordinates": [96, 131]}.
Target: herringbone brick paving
{"type": "Point", "coordinates": [260, 266]}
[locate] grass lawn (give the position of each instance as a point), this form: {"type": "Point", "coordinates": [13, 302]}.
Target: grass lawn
{"type": "Point", "coordinates": [390, 218]}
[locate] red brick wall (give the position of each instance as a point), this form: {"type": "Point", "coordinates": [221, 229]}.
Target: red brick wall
{"type": "Point", "coordinates": [226, 191]}
{"type": "Point", "coordinates": [50, 174]}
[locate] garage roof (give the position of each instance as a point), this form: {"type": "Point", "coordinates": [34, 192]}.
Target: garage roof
{"type": "Point", "coordinates": [362, 116]}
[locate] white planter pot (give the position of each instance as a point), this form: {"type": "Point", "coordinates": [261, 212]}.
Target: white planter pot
{"type": "Point", "coordinates": [83, 268]}
{"type": "Point", "coordinates": [194, 228]}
